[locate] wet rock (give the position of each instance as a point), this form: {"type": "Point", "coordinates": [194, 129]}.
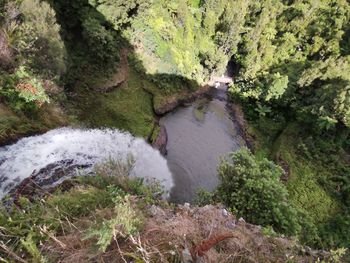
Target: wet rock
{"type": "Point", "coordinates": [41, 182]}
{"type": "Point", "coordinates": [56, 171]}
{"type": "Point", "coordinates": [167, 107]}
{"type": "Point", "coordinates": [238, 117]}
{"type": "Point", "coordinates": [161, 141]}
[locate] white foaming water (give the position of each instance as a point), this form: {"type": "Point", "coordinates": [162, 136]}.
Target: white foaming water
{"type": "Point", "coordinates": [83, 147]}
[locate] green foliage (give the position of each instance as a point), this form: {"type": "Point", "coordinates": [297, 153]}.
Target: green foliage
{"type": "Point", "coordinates": [269, 231]}
{"type": "Point", "coordinates": [317, 179]}
{"type": "Point", "coordinates": [40, 43]}
{"type": "Point", "coordinates": [22, 90]}
{"type": "Point", "coordinates": [252, 188]}
{"type": "Point", "coordinates": [204, 197]}
{"type": "Point", "coordinates": [125, 222]}
{"type": "Point", "coordinates": [277, 87]}
{"type": "Point", "coordinates": [337, 254]}
{"type": "Point", "coordinates": [101, 42]}
{"type": "Point", "coordinates": [27, 225]}
{"type": "Point", "coordinates": [118, 12]}
{"type": "Point", "coordinates": [178, 38]}
{"type": "Point", "coordinates": [291, 50]}
{"type": "Point", "coordinates": [37, 94]}
{"type": "Point", "coordinates": [32, 249]}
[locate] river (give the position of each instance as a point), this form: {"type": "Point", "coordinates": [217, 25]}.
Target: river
{"type": "Point", "coordinates": [199, 134]}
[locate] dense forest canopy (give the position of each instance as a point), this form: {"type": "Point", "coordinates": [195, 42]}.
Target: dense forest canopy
{"type": "Point", "coordinates": [291, 61]}
{"type": "Point", "coordinates": [291, 53]}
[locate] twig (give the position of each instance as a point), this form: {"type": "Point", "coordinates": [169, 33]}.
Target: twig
{"type": "Point", "coordinates": [45, 231]}
{"type": "Point", "coordinates": [119, 250]}
{"type": "Point", "coordinates": [142, 250]}
{"type": "Point", "coordinates": [12, 254]}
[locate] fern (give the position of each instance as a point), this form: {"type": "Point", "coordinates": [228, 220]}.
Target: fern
{"type": "Point", "coordinates": [125, 223]}
{"type": "Point", "coordinates": [30, 245]}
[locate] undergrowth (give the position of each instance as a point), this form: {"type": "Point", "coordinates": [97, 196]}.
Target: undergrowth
{"type": "Point", "coordinates": [29, 224]}
{"type": "Point", "coordinates": [315, 171]}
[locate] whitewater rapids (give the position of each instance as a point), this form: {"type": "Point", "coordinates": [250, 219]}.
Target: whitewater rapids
{"type": "Point", "coordinates": [83, 148]}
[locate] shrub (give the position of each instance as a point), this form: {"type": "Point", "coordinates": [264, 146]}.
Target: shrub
{"type": "Point", "coordinates": [40, 43]}
{"type": "Point", "coordinates": [252, 188]}
{"type": "Point", "coordinates": [126, 222]}
{"type": "Point", "coordinates": [22, 90]}
{"type": "Point", "coordinates": [204, 197]}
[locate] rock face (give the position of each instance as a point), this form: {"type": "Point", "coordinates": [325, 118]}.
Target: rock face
{"type": "Point", "coordinates": [237, 112]}
{"type": "Point", "coordinates": [176, 101]}
{"type": "Point", "coordinates": [161, 141]}
{"type": "Point", "coordinates": [119, 77]}
{"type": "Point", "coordinates": [44, 180]}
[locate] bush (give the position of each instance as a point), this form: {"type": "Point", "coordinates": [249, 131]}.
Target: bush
{"type": "Point", "coordinates": [204, 197]}
{"type": "Point", "coordinates": [125, 222]}
{"type": "Point", "coordinates": [39, 42]}
{"type": "Point", "coordinates": [252, 188]}
{"type": "Point", "coordinates": [22, 90]}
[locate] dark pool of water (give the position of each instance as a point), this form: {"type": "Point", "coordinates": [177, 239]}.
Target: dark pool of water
{"type": "Point", "coordinates": [198, 136]}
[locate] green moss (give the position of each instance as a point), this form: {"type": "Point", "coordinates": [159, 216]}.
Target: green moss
{"type": "Point", "coordinates": [14, 125]}
{"type": "Point", "coordinates": [279, 141]}
{"type": "Point", "coordinates": [128, 107]}
{"type": "Point", "coordinates": [155, 133]}
{"type": "Point", "coordinates": [304, 176]}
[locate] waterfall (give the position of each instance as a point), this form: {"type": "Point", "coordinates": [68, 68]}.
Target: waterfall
{"type": "Point", "coordinates": [79, 148]}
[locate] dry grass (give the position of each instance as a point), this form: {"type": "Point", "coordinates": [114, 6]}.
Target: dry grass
{"type": "Point", "coordinates": [212, 233]}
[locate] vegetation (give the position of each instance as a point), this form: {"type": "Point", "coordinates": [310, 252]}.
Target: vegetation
{"type": "Point", "coordinates": [254, 191]}
{"type": "Point", "coordinates": [291, 61]}
{"type": "Point", "coordinates": [99, 205]}
{"type": "Point", "coordinates": [316, 170]}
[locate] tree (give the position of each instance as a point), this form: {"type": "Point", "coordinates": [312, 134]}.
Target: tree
{"type": "Point", "coordinates": [277, 87]}
{"type": "Point", "coordinates": [253, 189]}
